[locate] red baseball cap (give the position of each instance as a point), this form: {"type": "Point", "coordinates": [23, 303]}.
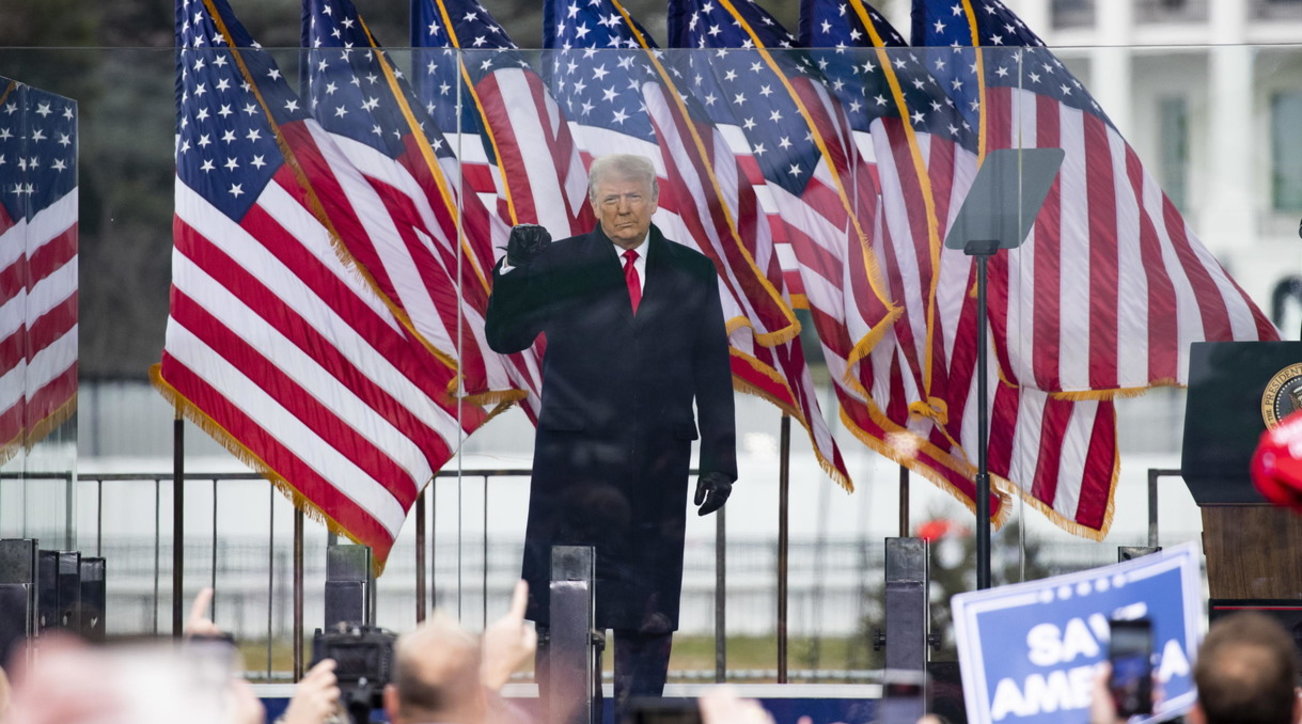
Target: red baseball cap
{"type": "Point", "coordinates": [1277, 464]}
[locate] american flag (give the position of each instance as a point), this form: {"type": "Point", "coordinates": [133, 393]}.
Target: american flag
{"type": "Point", "coordinates": [1060, 455]}
{"type": "Point", "coordinates": [883, 395]}
{"type": "Point", "coordinates": [601, 64]}
{"type": "Point", "coordinates": [38, 264]}
{"type": "Point", "coordinates": [877, 88]}
{"type": "Point", "coordinates": [918, 144]}
{"type": "Point", "coordinates": [274, 345]}
{"type": "Point", "coordinates": [1112, 285]}
{"type": "Point", "coordinates": [432, 251]}
{"type": "Point", "coordinates": [510, 136]}
{"type": "Point", "coordinates": [623, 98]}
{"type": "Point", "coordinates": [788, 127]}
{"type": "Point", "coordinates": [768, 83]}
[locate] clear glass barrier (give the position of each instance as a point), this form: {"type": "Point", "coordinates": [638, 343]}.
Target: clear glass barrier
{"type": "Point", "coordinates": [820, 224]}
{"type": "Point", "coordinates": [38, 312]}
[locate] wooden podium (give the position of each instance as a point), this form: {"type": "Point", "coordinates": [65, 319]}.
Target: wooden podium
{"type": "Point", "coordinates": [1253, 552]}
{"type": "Point", "coordinates": [1253, 549]}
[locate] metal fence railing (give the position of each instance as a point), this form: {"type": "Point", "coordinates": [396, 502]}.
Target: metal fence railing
{"type": "Point", "coordinates": [817, 586]}
{"type": "Point", "coordinates": [163, 558]}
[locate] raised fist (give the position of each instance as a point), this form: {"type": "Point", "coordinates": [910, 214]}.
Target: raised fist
{"type": "Point", "coordinates": [526, 241]}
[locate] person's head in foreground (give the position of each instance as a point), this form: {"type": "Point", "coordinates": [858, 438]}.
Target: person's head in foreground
{"type": "Point", "coordinates": [1247, 673]}
{"type": "Point", "coordinates": [436, 675]}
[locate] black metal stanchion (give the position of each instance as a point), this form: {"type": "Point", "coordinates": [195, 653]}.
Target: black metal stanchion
{"type": "Point", "coordinates": [904, 501]}
{"type": "Point", "coordinates": [19, 565]}
{"type": "Point", "coordinates": [905, 633]}
{"type": "Point", "coordinates": [347, 594]}
{"type": "Point", "coordinates": [573, 653]}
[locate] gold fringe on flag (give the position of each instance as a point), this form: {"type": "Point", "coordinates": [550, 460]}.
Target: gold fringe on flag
{"type": "Point", "coordinates": [26, 439]}
{"type": "Point", "coordinates": [251, 459]}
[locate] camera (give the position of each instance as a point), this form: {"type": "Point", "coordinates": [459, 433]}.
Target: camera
{"type": "Point", "coordinates": [363, 665]}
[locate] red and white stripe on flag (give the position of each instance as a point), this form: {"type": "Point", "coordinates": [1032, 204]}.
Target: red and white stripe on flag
{"type": "Point", "coordinates": [429, 242]}
{"type": "Point", "coordinates": [541, 172]}
{"type": "Point", "coordinates": [1112, 285]}
{"type": "Point", "coordinates": [38, 324]}
{"type": "Point", "coordinates": [292, 361]}
{"type": "Point", "coordinates": [540, 177]}
{"type": "Point", "coordinates": [275, 345]}
{"type": "Point", "coordinates": [1059, 455]}
{"type": "Point", "coordinates": [38, 268]}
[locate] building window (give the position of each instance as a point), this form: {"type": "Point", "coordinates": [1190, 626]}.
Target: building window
{"type": "Point", "coordinates": [1072, 13]}
{"type": "Point", "coordinates": [1286, 147]}
{"type": "Point", "coordinates": [1173, 139]}
{"type": "Point", "coordinates": [1276, 9]}
{"type": "Point", "coordinates": [1171, 11]}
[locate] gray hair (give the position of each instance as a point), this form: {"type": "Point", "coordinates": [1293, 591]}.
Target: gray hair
{"type": "Point", "coordinates": [626, 166]}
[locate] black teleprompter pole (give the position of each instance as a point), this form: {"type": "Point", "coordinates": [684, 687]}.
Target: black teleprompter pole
{"type": "Point", "coordinates": [998, 213]}
{"type": "Point", "coordinates": [982, 250]}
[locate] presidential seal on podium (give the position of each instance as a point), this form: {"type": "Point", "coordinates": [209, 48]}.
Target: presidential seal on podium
{"type": "Point", "coordinates": [1282, 396]}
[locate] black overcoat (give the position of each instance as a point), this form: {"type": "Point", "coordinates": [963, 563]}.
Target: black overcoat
{"type": "Point", "coordinates": [616, 426]}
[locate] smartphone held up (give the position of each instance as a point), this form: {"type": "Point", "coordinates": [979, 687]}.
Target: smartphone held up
{"type": "Point", "coordinates": [1130, 652]}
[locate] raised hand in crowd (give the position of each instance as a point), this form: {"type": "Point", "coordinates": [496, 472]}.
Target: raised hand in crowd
{"type": "Point", "coordinates": [67, 684]}
{"type": "Point", "coordinates": [507, 642]}
{"type": "Point", "coordinates": [722, 705]}
{"type": "Point", "coordinates": [4, 693]}
{"type": "Point", "coordinates": [198, 625]}
{"type": "Point", "coordinates": [316, 697]}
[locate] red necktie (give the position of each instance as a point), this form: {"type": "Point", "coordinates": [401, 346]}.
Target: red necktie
{"type": "Point", "coordinates": [631, 278]}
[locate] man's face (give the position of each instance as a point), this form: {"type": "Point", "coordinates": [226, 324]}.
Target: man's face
{"type": "Point", "coordinates": [624, 208]}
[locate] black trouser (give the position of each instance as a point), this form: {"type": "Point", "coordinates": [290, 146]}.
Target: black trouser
{"type": "Point", "coordinates": [641, 666]}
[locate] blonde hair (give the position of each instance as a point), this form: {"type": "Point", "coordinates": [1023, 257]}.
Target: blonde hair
{"type": "Point", "coordinates": [628, 166]}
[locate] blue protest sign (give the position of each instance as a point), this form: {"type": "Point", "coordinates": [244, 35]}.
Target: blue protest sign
{"type": "Point", "coordinates": [1028, 651]}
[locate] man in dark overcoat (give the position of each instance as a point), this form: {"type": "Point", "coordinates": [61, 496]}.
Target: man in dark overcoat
{"type": "Point", "coordinates": [634, 335]}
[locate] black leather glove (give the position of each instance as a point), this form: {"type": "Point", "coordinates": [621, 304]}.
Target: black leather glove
{"type": "Point", "coordinates": [526, 241]}
{"type": "Point", "coordinates": [712, 491]}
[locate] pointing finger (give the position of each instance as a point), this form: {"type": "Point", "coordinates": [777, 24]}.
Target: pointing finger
{"type": "Point", "coordinates": [199, 610]}
{"type": "Point", "coordinates": [519, 599]}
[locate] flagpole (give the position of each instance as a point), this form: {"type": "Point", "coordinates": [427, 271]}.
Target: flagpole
{"type": "Point", "coordinates": [304, 61]}
{"type": "Point", "coordinates": [720, 595]}
{"type": "Point", "coordinates": [298, 593]}
{"type": "Point", "coordinates": [178, 522]}
{"type": "Point", "coordinates": [420, 556]}
{"type": "Point", "coordinates": [784, 505]}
